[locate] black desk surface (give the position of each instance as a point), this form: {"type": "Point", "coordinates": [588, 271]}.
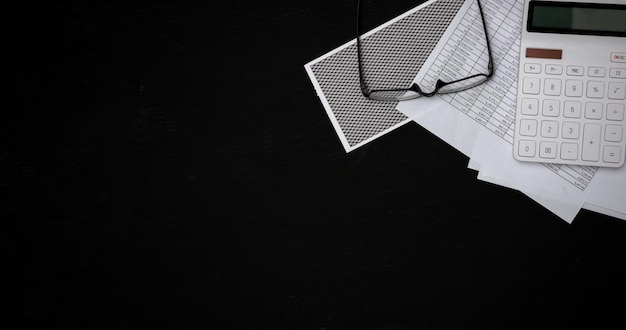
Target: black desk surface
{"type": "Point", "coordinates": [168, 165]}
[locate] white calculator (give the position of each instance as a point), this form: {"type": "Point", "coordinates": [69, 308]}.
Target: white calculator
{"type": "Point", "coordinates": [571, 94]}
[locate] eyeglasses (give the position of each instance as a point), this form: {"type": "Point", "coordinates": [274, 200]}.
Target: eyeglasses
{"type": "Point", "coordinates": [415, 91]}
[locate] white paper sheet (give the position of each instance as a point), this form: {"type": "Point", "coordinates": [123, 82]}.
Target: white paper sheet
{"type": "Point", "coordinates": [602, 210]}
{"type": "Point", "coordinates": [480, 121]}
{"type": "Point", "coordinates": [563, 189]}
{"type": "Point", "coordinates": [611, 190]}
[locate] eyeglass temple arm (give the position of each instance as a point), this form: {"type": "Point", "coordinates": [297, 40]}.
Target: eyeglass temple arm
{"type": "Point", "coordinates": [482, 16]}
{"type": "Point", "coordinates": [364, 88]}
{"type": "Point", "coordinates": [362, 84]}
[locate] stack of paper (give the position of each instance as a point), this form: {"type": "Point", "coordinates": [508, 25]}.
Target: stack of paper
{"type": "Point", "coordinates": [479, 122]}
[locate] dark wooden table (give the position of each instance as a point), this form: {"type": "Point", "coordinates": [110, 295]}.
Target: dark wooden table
{"type": "Point", "coordinates": [167, 165]}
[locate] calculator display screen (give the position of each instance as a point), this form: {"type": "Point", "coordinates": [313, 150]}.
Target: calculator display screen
{"type": "Point", "coordinates": [577, 18]}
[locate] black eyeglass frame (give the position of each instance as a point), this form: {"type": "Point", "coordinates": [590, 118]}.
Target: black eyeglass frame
{"type": "Point", "coordinates": [415, 87]}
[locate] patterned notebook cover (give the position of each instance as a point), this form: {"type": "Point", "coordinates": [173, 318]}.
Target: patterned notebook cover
{"type": "Point", "coordinates": [392, 55]}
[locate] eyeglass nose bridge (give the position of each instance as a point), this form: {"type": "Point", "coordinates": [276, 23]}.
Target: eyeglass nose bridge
{"type": "Point", "coordinates": [416, 88]}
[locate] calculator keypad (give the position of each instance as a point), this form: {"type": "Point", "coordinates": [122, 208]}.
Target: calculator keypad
{"type": "Point", "coordinates": [572, 114]}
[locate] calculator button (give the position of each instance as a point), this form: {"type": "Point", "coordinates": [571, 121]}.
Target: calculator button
{"type": "Point", "coordinates": [619, 73]}
{"type": "Point", "coordinates": [550, 108]}
{"type": "Point", "coordinates": [596, 72]}
{"type": "Point", "coordinates": [612, 154]}
{"type": "Point", "coordinates": [595, 89]}
{"type": "Point", "coordinates": [617, 91]}
{"type": "Point", "coordinates": [531, 86]}
{"type": "Point", "coordinates": [554, 69]}
{"type": "Point", "coordinates": [552, 87]}
{"type": "Point", "coordinates": [571, 130]}
{"type": "Point", "coordinates": [618, 57]}
{"type": "Point", "coordinates": [530, 107]}
{"type": "Point", "coordinates": [569, 151]}
{"type": "Point", "coordinates": [575, 70]}
{"type": "Point", "coordinates": [593, 110]}
{"type": "Point", "coordinates": [615, 111]}
{"type": "Point", "coordinates": [526, 148]}
{"type": "Point", "coordinates": [573, 88]}
{"type": "Point", "coordinates": [572, 109]}
{"type": "Point", "coordinates": [532, 68]}
{"type": "Point", "coordinates": [550, 128]}
{"type": "Point", "coordinates": [613, 133]}
{"type": "Point", "coordinates": [591, 142]}
{"type": "Point", "coordinates": [528, 127]}
{"type": "Point", "coordinates": [547, 149]}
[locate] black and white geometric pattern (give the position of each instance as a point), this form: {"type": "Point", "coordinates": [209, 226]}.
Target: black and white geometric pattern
{"type": "Point", "coordinates": [392, 56]}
